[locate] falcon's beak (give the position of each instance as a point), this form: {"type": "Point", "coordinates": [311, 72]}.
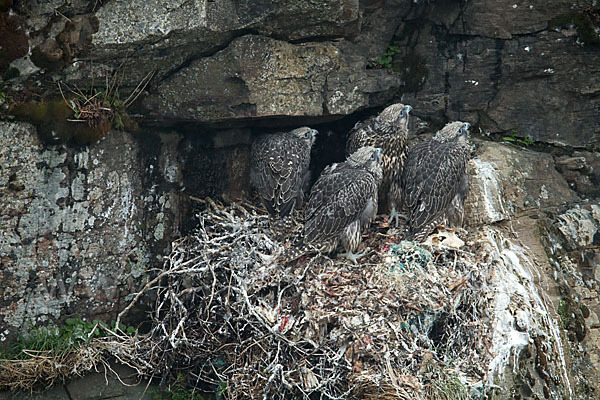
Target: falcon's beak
{"type": "Point", "coordinates": [314, 132]}
{"type": "Point", "coordinates": [408, 108]}
{"type": "Point", "coordinates": [467, 125]}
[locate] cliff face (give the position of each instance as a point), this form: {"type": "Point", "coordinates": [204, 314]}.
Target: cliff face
{"type": "Point", "coordinates": [83, 225]}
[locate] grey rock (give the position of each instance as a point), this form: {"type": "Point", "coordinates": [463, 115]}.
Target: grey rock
{"type": "Point", "coordinates": [145, 20]}
{"type": "Point", "coordinates": [256, 76]}
{"type": "Point", "coordinates": [582, 171]}
{"type": "Point", "coordinates": [74, 227]}
{"type": "Point", "coordinates": [528, 80]}
{"type": "Point", "coordinates": [505, 184]}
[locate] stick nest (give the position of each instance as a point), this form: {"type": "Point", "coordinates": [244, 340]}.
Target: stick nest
{"type": "Point", "coordinates": [404, 324]}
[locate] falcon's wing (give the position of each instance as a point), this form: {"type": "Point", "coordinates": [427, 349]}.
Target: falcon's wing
{"type": "Point", "coordinates": [338, 198]}
{"type": "Point", "coordinates": [433, 175]}
{"type": "Point", "coordinates": [280, 163]}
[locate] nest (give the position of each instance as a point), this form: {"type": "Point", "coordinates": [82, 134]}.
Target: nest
{"type": "Point", "coordinates": [404, 324]}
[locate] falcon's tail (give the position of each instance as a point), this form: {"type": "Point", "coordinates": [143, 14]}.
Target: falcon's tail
{"type": "Point", "coordinates": [420, 234]}
{"type": "Point", "coordinates": [296, 251]}
{"type": "Point", "coordinates": [283, 228]}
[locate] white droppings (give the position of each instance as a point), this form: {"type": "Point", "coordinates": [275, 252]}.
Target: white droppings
{"type": "Point", "coordinates": [527, 49]}
{"type": "Point", "coordinates": [544, 195]}
{"type": "Point", "coordinates": [578, 226]}
{"type": "Point", "coordinates": [514, 286]}
{"type": "Point", "coordinates": [475, 83]}
{"type": "Point", "coordinates": [491, 191]}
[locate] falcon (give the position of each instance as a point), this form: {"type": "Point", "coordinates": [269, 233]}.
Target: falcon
{"type": "Point", "coordinates": [435, 180]}
{"type": "Point", "coordinates": [343, 201]}
{"type": "Point", "coordinates": [389, 131]}
{"type": "Point", "coordinates": [279, 168]}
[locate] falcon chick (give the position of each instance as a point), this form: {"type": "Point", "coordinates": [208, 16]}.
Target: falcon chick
{"type": "Point", "coordinates": [343, 201]}
{"type": "Point", "coordinates": [279, 168]}
{"type": "Point", "coordinates": [435, 180]}
{"type": "Point", "coordinates": [388, 130]}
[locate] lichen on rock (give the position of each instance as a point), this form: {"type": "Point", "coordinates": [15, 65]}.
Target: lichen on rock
{"type": "Point", "coordinates": [71, 232]}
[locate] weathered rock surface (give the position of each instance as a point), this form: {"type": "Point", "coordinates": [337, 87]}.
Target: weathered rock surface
{"type": "Point", "coordinates": [528, 68]}
{"type": "Point", "coordinates": [260, 77]}
{"type": "Point", "coordinates": [520, 68]}
{"type": "Point", "coordinates": [571, 240]}
{"type": "Point", "coordinates": [543, 242]}
{"type": "Point", "coordinates": [80, 227]}
{"type": "Point", "coordinates": [506, 184]}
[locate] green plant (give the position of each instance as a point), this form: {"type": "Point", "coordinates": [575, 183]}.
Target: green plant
{"type": "Point", "coordinates": [103, 108]}
{"type": "Point", "coordinates": [177, 391]}
{"type": "Point", "coordinates": [385, 60]}
{"type": "Point", "coordinates": [3, 95]}
{"type": "Point", "coordinates": [59, 340]}
{"type": "Point", "coordinates": [445, 386]}
{"type": "Point", "coordinates": [221, 391]}
{"type": "Point", "coordinates": [515, 138]}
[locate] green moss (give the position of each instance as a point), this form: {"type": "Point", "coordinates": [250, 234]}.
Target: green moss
{"type": "Point", "coordinates": [563, 312]}
{"type": "Point", "coordinates": [517, 139]}
{"type": "Point", "coordinates": [586, 23]}
{"type": "Point", "coordinates": [450, 388]}
{"type": "Point", "coordinates": [51, 120]}
{"type": "Point", "coordinates": [385, 60]}
{"type": "Point", "coordinates": [573, 321]}
{"type": "Point", "coordinates": [57, 340]}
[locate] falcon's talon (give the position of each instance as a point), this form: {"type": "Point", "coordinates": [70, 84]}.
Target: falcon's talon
{"type": "Point", "coordinates": [395, 215]}
{"type": "Point", "coordinates": [353, 257]}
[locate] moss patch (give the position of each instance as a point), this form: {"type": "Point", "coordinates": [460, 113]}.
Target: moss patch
{"type": "Point", "coordinates": [51, 119]}
{"type": "Point", "coordinates": [572, 318]}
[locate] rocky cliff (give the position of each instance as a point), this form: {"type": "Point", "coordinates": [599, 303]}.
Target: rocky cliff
{"type": "Point", "coordinates": [87, 213]}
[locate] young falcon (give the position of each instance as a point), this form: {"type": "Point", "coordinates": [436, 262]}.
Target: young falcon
{"type": "Point", "coordinates": [279, 168]}
{"type": "Point", "coordinates": [388, 130]}
{"type": "Point", "coordinates": [343, 201]}
{"type": "Point", "coordinates": [435, 180]}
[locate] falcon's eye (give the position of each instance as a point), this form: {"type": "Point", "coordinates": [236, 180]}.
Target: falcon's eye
{"type": "Point", "coordinates": [402, 113]}
{"type": "Point", "coordinates": [374, 156]}
{"type": "Point", "coordinates": [306, 135]}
